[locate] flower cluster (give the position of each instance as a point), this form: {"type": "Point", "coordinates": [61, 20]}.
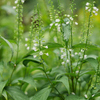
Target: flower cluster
{"type": "Point", "coordinates": [71, 18]}
{"type": "Point", "coordinates": [89, 7]}
{"type": "Point", "coordinates": [35, 47]}
{"type": "Point", "coordinates": [16, 1]}
{"type": "Point", "coordinates": [56, 23]}
{"type": "Point", "coordinates": [65, 54]}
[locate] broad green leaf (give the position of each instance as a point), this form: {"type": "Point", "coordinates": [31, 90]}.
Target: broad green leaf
{"type": "Point", "coordinates": [89, 46]}
{"type": "Point", "coordinates": [30, 80]}
{"type": "Point", "coordinates": [88, 72]}
{"type": "Point", "coordinates": [42, 94]}
{"type": "Point", "coordinates": [4, 93]}
{"type": "Point", "coordinates": [66, 28]}
{"type": "Point", "coordinates": [9, 46]}
{"type": "Point", "coordinates": [74, 97]}
{"type": "Point", "coordinates": [65, 81]}
{"type": "Point", "coordinates": [2, 85]}
{"type": "Point", "coordinates": [8, 9]}
{"type": "Point", "coordinates": [31, 59]}
{"type": "Point", "coordinates": [54, 45]}
{"type": "Point", "coordinates": [16, 93]}
{"type": "Point", "coordinates": [95, 95]}
{"type": "Point", "coordinates": [68, 74]}
{"type": "Point", "coordinates": [93, 62]}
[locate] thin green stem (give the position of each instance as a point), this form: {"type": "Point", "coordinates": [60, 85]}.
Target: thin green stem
{"type": "Point", "coordinates": [52, 83]}
{"type": "Point", "coordinates": [14, 67]}
{"type": "Point", "coordinates": [97, 73]}
{"type": "Point", "coordinates": [85, 45]}
{"type": "Point", "coordinates": [18, 33]}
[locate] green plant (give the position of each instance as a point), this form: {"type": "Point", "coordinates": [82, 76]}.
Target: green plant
{"type": "Point", "coordinates": [54, 69]}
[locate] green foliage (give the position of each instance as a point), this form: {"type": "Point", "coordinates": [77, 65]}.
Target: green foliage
{"type": "Point", "coordinates": [16, 93]}
{"type": "Point", "coordinates": [47, 61]}
{"type": "Point", "coordinates": [42, 94]}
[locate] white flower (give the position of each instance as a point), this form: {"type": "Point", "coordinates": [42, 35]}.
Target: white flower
{"type": "Point", "coordinates": [85, 96]}
{"type": "Point", "coordinates": [22, 1]}
{"type": "Point", "coordinates": [26, 39]}
{"type": "Point", "coordinates": [87, 3]}
{"type": "Point", "coordinates": [46, 47]}
{"type": "Point", "coordinates": [85, 56]}
{"type": "Point", "coordinates": [72, 55]}
{"type": "Point", "coordinates": [96, 14]}
{"type": "Point", "coordinates": [34, 48]}
{"type": "Point", "coordinates": [82, 50]}
{"type": "Point", "coordinates": [93, 95]}
{"type": "Point", "coordinates": [71, 18]}
{"type": "Point", "coordinates": [76, 23]}
{"type": "Point", "coordinates": [35, 44]}
{"type": "Point", "coordinates": [16, 1]}
{"type": "Point", "coordinates": [63, 63]}
{"type": "Point", "coordinates": [34, 56]}
{"type": "Point", "coordinates": [56, 24]}
{"type": "Point", "coordinates": [28, 48]}
{"type": "Point", "coordinates": [76, 53]}
{"type": "Point", "coordinates": [97, 9]}
{"type": "Point", "coordinates": [79, 53]}
{"type": "Point", "coordinates": [41, 53]}
{"type": "Point", "coordinates": [26, 92]}
{"type": "Point", "coordinates": [89, 10]}
{"type": "Point", "coordinates": [70, 49]}
{"type": "Point", "coordinates": [67, 61]}
{"type": "Point", "coordinates": [25, 45]}
{"type": "Point", "coordinates": [47, 54]}
{"type": "Point", "coordinates": [62, 56]}
{"type": "Point", "coordinates": [86, 8]}
{"type": "Point", "coordinates": [80, 57]}
{"type": "Point", "coordinates": [51, 24]}
{"type": "Point", "coordinates": [62, 49]}
{"type": "Point", "coordinates": [57, 20]}
{"type": "Point", "coordinates": [73, 93]}
{"type": "Point", "coordinates": [34, 41]}
{"type": "Point", "coordinates": [68, 15]}
{"type": "Point", "coordinates": [67, 22]}
{"type": "Point", "coordinates": [77, 71]}
{"type": "Point", "coordinates": [14, 7]}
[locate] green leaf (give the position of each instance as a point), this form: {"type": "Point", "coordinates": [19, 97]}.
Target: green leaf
{"type": "Point", "coordinates": [65, 81]}
{"type": "Point", "coordinates": [16, 93]}
{"type": "Point", "coordinates": [30, 80]}
{"type": "Point", "coordinates": [9, 46]}
{"type": "Point", "coordinates": [74, 97]}
{"type": "Point", "coordinates": [8, 9]}
{"type": "Point", "coordinates": [53, 45]}
{"type": "Point", "coordinates": [93, 62]}
{"type": "Point", "coordinates": [95, 95]}
{"type": "Point", "coordinates": [4, 93]}
{"type": "Point", "coordinates": [88, 72]}
{"type": "Point", "coordinates": [2, 85]}
{"type": "Point", "coordinates": [42, 94]}
{"type": "Point", "coordinates": [89, 46]}
{"type": "Point", "coordinates": [66, 28]}
{"type": "Point", "coordinates": [31, 59]}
